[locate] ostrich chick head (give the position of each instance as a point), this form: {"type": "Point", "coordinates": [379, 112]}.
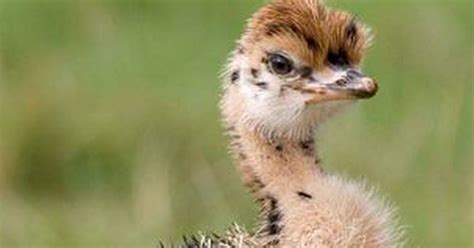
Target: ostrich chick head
{"type": "Point", "coordinates": [297, 62]}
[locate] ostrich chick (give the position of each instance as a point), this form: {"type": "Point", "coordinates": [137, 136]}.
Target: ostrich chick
{"type": "Point", "coordinates": [297, 63]}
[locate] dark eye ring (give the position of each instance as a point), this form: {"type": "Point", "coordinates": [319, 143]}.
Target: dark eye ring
{"type": "Point", "coordinates": [280, 64]}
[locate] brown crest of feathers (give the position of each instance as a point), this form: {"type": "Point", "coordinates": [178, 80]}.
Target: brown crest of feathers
{"type": "Point", "coordinates": [311, 30]}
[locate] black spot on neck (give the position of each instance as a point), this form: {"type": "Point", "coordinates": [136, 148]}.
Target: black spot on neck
{"type": "Point", "coordinates": [262, 85]}
{"type": "Point", "coordinates": [254, 72]}
{"type": "Point", "coordinates": [308, 147]}
{"type": "Point", "coordinates": [304, 195]}
{"type": "Point", "coordinates": [257, 183]}
{"type": "Point", "coordinates": [236, 145]}
{"type": "Point", "coordinates": [273, 218]}
{"type": "Point", "coordinates": [235, 77]}
{"type": "Point", "coordinates": [274, 215]}
{"type": "Point", "coordinates": [273, 229]}
{"type": "Point", "coordinates": [254, 184]}
{"type": "Point", "coordinates": [317, 162]}
{"type": "Point", "coordinates": [279, 148]}
{"type": "Point", "coordinates": [307, 144]}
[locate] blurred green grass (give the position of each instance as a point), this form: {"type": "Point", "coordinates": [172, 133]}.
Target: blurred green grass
{"type": "Point", "coordinates": [110, 134]}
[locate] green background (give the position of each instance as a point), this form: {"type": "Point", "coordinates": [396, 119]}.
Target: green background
{"type": "Point", "coordinates": [110, 134]}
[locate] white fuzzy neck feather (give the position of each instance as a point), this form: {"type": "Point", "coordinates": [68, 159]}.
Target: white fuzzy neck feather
{"type": "Point", "coordinates": [301, 205]}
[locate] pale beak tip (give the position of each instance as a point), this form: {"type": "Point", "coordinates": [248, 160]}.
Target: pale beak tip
{"type": "Point", "coordinates": [370, 88]}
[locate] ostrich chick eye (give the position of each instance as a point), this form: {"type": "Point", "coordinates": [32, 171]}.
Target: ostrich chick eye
{"type": "Point", "coordinates": [279, 64]}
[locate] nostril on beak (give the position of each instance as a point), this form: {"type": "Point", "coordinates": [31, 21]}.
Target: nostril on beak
{"type": "Point", "coordinates": [341, 82]}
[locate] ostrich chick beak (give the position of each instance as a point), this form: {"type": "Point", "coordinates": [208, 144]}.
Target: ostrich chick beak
{"type": "Point", "coordinates": [352, 85]}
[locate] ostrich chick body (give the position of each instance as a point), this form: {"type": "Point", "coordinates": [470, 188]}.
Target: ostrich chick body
{"type": "Point", "coordinates": [297, 63]}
